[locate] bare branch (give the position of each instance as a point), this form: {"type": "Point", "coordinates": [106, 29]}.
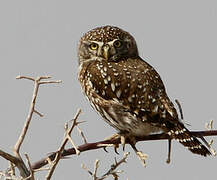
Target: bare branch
{"type": "Point", "coordinates": [30, 167]}
{"type": "Point", "coordinates": [106, 143]}
{"type": "Point", "coordinates": [41, 115]}
{"type": "Point", "coordinates": [82, 134]}
{"type": "Point", "coordinates": [111, 172]}
{"type": "Point", "coordinates": [116, 164]}
{"type": "Point", "coordinates": [73, 144]}
{"type": "Point", "coordinates": [59, 153]}
{"type": "Point", "coordinates": [85, 168]}
{"type": "Point", "coordinates": [50, 82]}
{"type": "Point", "coordinates": [25, 77]}
{"type": "Point", "coordinates": [31, 110]}
{"type": "Point", "coordinates": [9, 157]}
{"type": "Point", "coordinates": [96, 166]}
{"type": "Point", "coordinates": [17, 159]}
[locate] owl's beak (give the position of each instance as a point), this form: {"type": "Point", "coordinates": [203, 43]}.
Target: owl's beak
{"type": "Point", "coordinates": [106, 52]}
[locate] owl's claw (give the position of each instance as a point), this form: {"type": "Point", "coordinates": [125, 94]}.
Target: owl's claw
{"type": "Point", "coordinates": [123, 141]}
{"type": "Point", "coordinates": [104, 148]}
{"type": "Point", "coordinates": [122, 138]}
{"type": "Point", "coordinates": [115, 148]}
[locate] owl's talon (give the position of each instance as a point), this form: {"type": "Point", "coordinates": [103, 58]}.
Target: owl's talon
{"type": "Point", "coordinates": [116, 146]}
{"type": "Point", "coordinates": [123, 142]}
{"type": "Point", "coordinates": [105, 149]}
{"type": "Point", "coordinates": [116, 150]}
{"type": "Point", "coordinates": [142, 156]}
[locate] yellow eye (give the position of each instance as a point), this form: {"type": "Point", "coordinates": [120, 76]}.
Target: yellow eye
{"type": "Point", "coordinates": [117, 44]}
{"type": "Point", "coordinates": [94, 46]}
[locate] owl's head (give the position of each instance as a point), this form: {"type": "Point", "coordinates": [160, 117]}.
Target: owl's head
{"type": "Point", "coordinates": [109, 43]}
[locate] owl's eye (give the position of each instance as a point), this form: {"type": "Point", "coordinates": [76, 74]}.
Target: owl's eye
{"type": "Point", "coordinates": [117, 43]}
{"type": "Point", "coordinates": [94, 46]}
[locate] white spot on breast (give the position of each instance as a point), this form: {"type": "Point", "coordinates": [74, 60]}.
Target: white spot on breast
{"type": "Point", "coordinates": [139, 86]}
{"type": "Point", "coordinates": [116, 74]}
{"type": "Point", "coordinates": [164, 114]}
{"type": "Point", "coordinates": [149, 97]}
{"type": "Point", "coordinates": [103, 73]}
{"type": "Point", "coordinates": [105, 81]}
{"type": "Point", "coordinates": [130, 99]}
{"type": "Point", "coordinates": [109, 78]}
{"type": "Point", "coordinates": [113, 87]}
{"type": "Point", "coordinates": [91, 84]}
{"type": "Point", "coordinates": [117, 84]}
{"type": "Point", "coordinates": [118, 93]}
{"type": "Point", "coordinates": [155, 110]}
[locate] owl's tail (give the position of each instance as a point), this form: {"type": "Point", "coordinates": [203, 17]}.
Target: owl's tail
{"type": "Point", "coordinates": [185, 137]}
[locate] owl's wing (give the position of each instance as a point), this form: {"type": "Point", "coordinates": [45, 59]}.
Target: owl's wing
{"type": "Point", "coordinates": [134, 85]}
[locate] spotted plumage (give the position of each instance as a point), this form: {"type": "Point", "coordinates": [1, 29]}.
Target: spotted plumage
{"type": "Point", "coordinates": [127, 92]}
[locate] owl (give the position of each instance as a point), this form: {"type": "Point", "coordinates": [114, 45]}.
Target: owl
{"type": "Point", "coordinates": [125, 90]}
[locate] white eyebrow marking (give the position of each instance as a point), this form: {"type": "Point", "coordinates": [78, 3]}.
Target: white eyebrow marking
{"type": "Point", "coordinates": [111, 42]}
{"type": "Point", "coordinates": [97, 42]}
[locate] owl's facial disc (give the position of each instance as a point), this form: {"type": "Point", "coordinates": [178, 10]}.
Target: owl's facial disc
{"type": "Point", "coordinates": [112, 50]}
{"type": "Point", "coordinates": [108, 43]}
{"type": "Point", "coordinates": [109, 51]}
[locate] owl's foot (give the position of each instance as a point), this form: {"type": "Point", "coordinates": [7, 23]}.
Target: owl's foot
{"type": "Point", "coordinates": [142, 156]}
{"type": "Point", "coordinates": [114, 137]}
{"type": "Point", "coordinates": [122, 137]}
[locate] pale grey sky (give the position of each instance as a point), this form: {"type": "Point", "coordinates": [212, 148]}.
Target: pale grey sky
{"type": "Point", "coordinates": [178, 38]}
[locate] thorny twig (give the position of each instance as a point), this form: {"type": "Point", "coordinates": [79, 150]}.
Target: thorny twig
{"type": "Point", "coordinates": [37, 82]}
{"type": "Point", "coordinates": [82, 135]}
{"type": "Point", "coordinates": [17, 159]}
{"type": "Point", "coordinates": [110, 172]}
{"type": "Point", "coordinates": [61, 149]}
{"type": "Point", "coordinates": [30, 167]}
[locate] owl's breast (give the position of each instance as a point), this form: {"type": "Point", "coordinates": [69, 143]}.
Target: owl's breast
{"type": "Point", "coordinates": [123, 92]}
